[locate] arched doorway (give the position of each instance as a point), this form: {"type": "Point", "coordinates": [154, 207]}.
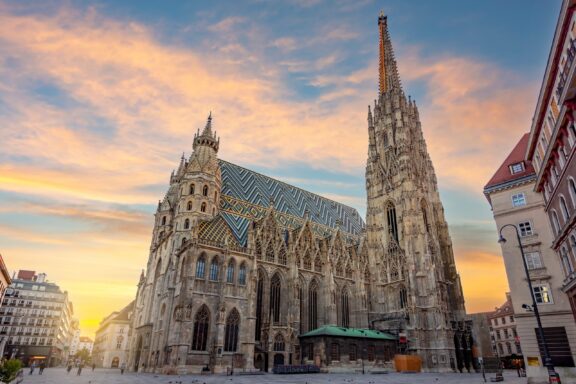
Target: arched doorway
{"type": "Point", "coordinates": [278, 359]}
{"type": "Point", "coordinates": [259, 362]}
{"type": "Point", "coordinates": [138, 351]}
{"type": "Point", "coordinates": [115, 362]}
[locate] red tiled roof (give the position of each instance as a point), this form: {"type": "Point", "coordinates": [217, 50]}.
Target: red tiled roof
{"type": "Point", "coordinates": [503, 173]}
{"type": "Point", "coordinates": [26, 275]}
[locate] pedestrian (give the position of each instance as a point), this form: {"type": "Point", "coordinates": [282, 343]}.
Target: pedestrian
{"type": "Point", "coordinates": [80, 366]}
{"type": "Point", "coordinates": [69, 368]}
{"type": "Point", "coordinates": [42, 366]}
{"type": "Point", "coordinates": [93, 366]}
{"type": "Point", "coordinates": [32, 367]}
{"type": "Point", "coordinates": [122, 368]}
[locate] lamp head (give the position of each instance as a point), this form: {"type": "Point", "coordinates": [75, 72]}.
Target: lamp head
{"type": "Point", "coordinates": [501, 240]}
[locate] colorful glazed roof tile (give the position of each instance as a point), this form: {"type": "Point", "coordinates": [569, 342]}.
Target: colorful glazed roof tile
{"type": "Point", "coordinates": [332, 330]}
{"type": "Point", "coordinates": [247, 194]}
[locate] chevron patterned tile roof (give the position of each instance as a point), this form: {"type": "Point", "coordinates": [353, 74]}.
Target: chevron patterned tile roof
{"type": "Point", "coordinates": [246, 195]}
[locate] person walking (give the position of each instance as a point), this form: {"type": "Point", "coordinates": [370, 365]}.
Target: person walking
{"type": "Point", "coordinates": [42, 366]}
{"type": "Point", "coordinates": [69, 368]}
{"type": "Point", "coordinates": [122, 368]}
{"type": "Point", "coordinates": [80, 366]}
{"type": "Point", "coordinates": [93, 366]}
{"type": "Point", "coordinates": [32, 367]}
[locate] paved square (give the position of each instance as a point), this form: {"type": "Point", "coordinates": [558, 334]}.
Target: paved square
{"type": "Point", "coordinates": [106, 376]}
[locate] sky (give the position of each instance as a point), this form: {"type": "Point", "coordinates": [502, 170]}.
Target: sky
{"type": "Point", "coordinates": [98, 101]}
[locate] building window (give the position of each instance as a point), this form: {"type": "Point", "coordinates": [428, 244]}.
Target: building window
{"type": "Point", "coordinates": [566, 262]}
{"type": "Point", "coordinates": [512, 320]}
{"type": "Point", "coordinates": [525, 228]}
{"type": "Point", "coordinates": [370, 350]}
{"type": "Point", "coordinates": [279, 345]}
{"type": "Point", "coordinates": [504, 322]}
{"type": "Point", "coordinates": [200, 266]}
{"type": "Point", "coordinates": [517, 168]}
{"type": "Point", "coordinates": [201, 324]}
{"type": "Point", "coordinates": [242, 275]}
{"type": "Point", "coordinates": [500, 349]}
{"type": "Point", "coordinates": [555, 222]}
{"type": "Point", "coordinates": [214, 270]}
{"type": "Point", "coordinates": [564, 209]}
{"type": "Point", "coordinates": [189, 206]}
{"type": "Point", "coordinates": [542, 294]}
{"type": "Point", "coordinates": [518, 200]}
{"type": "Point", "coordinates": [352, 353]}
{"type": "Point", "coordinates": [282, 255]}
{"type": "Point", "coordinates": [231, 333]}
{"type": "Point", "coordinates": [205, 191]}
{"type": "Point", "coordinates": [259, 304]}
{"type": "Point", "coordinates": [335, 352]}
{"type": "Point", "coordinates": [572, 189]}
{"type": "Point", "coordinates": [509, 348]}
{"type": "Point", "coordinates": [163, 220]}
{"type": "Point", "coordinates": [313, 306]}
{"type": "Point", "coordinates": [345, 311]}
{"type": "Point", "coordinates": [560, 352]}
{"type": "Point", "coordinates": [275, 292]}
{"type": "Point", "coordinates": [230, 272]}
{"type": "Point", "coordinates": [203, 207]}
{"type": "Point", "coordinates": [403, 298]}
{"type": "Point", "coordinates": [498, 335]}
{"type": "Point", "coordinates": [392, 221]}
{"type": "Point", "coordinates": [186, 224]}
{"type": "Point", "coordinates": [191, 189]}
{"type": "Point", "coordinates": [270, 252]}
{"type": "Point", "coordinates": [533, 260]}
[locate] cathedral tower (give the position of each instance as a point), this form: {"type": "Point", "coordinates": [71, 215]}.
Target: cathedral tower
{"type": "Point", "coordinates": [409, 244]}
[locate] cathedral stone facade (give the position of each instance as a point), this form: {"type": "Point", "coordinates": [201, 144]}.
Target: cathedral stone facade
{"type": "Point", "coordinates": [241, 265]}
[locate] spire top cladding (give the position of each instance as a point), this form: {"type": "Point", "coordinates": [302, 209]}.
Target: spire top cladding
{"type": "Point", "coordinates": [388, 71]}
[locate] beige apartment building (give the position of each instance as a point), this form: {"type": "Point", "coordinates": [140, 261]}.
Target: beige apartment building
{"type": "Point", "coordinates": [503, 333]}
{"type": "Point", "coordinates": [110, 347]}
{"type": "Point", "coordinates": [511, 194]}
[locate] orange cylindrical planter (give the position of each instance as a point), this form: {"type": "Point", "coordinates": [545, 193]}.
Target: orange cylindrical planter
{"type": "Point", "coordinates": [407, 363]}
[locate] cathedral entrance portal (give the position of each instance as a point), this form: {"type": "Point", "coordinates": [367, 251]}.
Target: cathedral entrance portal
{"type": "Point", "coordinates": [278, 359]}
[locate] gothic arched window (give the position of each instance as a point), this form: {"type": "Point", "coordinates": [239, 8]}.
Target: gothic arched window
{"type": "Point", "coordinates": [191, 189]}
{"type": "Point", "coordinates": [339, 271]}
{"type": "Point", "coordinates": [279, 344]}
{"type": "Point", "coordinates": [230, 272]}
{"type": "Point", "coordinates": [259, 298]}
{"type": "Point", "coordinates": [205, 191]}
{"type": "Point", "coordinates": [318, 264]}
{"type": "Point", "coordinates": [200, 267]}
{"type": "Point", "coordinates": [186, 224]}
{"type": "Point", "coordinates": [282, 255]}
{"type": "Point", "coordinates": [275, 292]}
{"type": "Point", "coordinates": [349, 271]}
{"type": "Point", "coordinates": [214, 267]}
{"type": "Point", "coordinates": [307, 261]}
{"type": "Point", "coordinates": [203, 207]}
{"type": "Point", "coordinates": [231, 332]}
{"type": "Point", "coordinates": [215, 196]}
{"type": "Point", "coordinates": [425, 217]}
{"type": "Point", "coordinates": [183, 241]}
{"type": "Point", "coordinates": [163, 220]}
{"type": "Point", "coordinates": [189, 206]}
{"type": "Point", "coordinates": [555, 221]}
{"type": "Point", "coordinates": [403, 298]}
{"type": "Point", "coordinates": [270, 252]}
{"type": "Point", "coordinates": [201, 324]}
{"type": "Point", "coordinates": [313, 306]}
{"type": "Point", "coordinates": [242, 274]}
{"type": "Point", "coordinates": [392, 221]}
{"type": "Point", "coordinates": [345, 310]}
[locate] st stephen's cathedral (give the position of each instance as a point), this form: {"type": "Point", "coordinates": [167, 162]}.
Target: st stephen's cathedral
{"type": "Point", "coordinates": [246, 272]}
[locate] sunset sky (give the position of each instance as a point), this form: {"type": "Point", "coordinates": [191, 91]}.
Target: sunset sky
{"type": "Point", "coordinates": [98, 101]}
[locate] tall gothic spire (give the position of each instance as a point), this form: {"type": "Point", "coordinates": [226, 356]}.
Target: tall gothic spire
{"type": "Point", "coordinates": [207, 138]}
{"type": "Point", "coordinates": [388, 71]}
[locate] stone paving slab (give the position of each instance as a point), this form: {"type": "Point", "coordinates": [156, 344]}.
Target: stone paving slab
{"type": "Point", "coordinates": [100, 376]}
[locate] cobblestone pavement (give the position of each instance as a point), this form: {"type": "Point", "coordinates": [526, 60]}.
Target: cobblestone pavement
{"type": "Point", "coordinates": [101, 376]}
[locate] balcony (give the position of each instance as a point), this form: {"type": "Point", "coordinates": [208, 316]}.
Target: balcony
{"type": "Point", "coordinates": [563, 76]}
{"type": "Point", "coordinates": [569, 282]}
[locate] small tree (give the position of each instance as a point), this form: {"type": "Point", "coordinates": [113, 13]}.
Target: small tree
{"type": "Point", "coordinates": [83, 355]}
{"type": "Point", "coordinates": [9, 370]}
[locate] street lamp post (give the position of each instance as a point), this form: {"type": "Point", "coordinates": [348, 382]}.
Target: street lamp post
{"type": "Point", "coordinates": [553, 376]}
